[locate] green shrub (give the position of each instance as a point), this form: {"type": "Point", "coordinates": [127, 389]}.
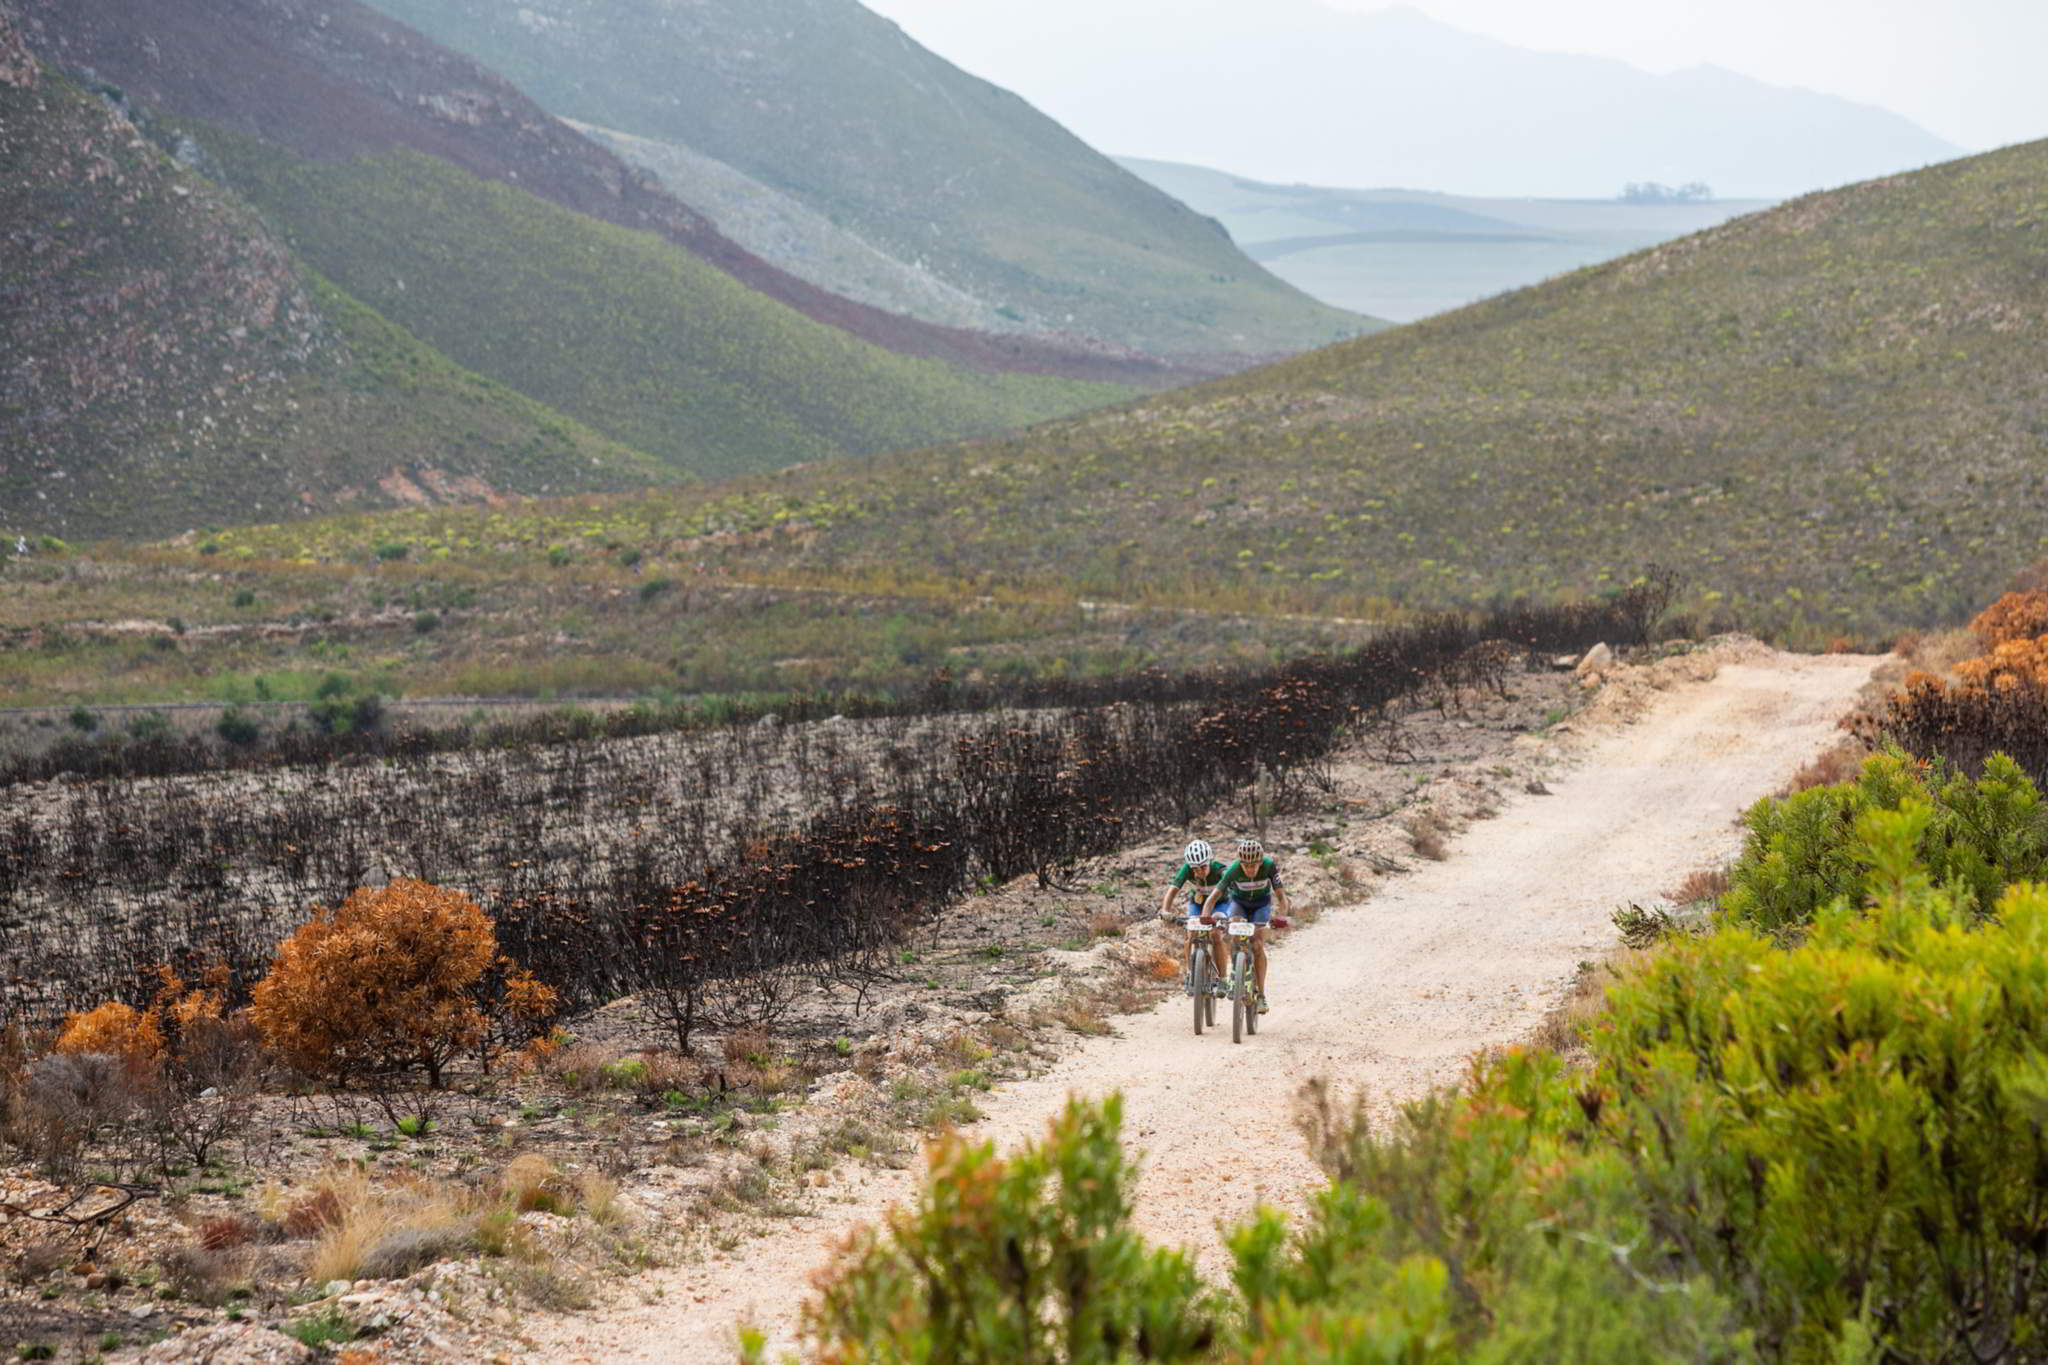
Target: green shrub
{"type": "Point", "coordinates": [239, 726]}
{"type": "Point", "coordinates": [1829, 1153]}
{"type": "Point", "coordinates": [1024, 1258]}
{"type": "Point", "coordinates": [343, 715]}
{"type": "Point", "coordinates": [1804, 853]}
{"type": "Point", "coordinates": [328, 1328]}
{"type": "Point", "coordinates": [83, 720]}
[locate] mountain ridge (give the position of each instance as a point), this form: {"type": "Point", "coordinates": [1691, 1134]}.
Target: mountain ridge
{"type": "Point", "coordinates": [1831, 415]}
{"type": "Point", "coordinates": [301, 74]}
{"type": "Point", "coordinates": [1408, 100]}
{"type": "Point", "coordinates": [836, 107]}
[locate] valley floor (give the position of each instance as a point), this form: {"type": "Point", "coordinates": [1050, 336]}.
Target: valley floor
{"type": "Point", "coordinates": [1389, 997]}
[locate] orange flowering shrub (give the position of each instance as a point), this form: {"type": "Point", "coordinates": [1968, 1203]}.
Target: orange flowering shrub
{"type": "Point", "coordinates": [2010, 663]}
{"type": "Point", "coordinates": [387, 982]}
{"type": "Point", "coordinates": [2015, 616]}
{"type": "Point", "coordinates": [116, 1030]}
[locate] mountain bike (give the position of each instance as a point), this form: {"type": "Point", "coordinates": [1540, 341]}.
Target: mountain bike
{"type": "Point", "coordinates": [1244, 988]}
{"type": "Point", "coordinates": [1200, 981]}
{"type": "Point", "coordinates": [1244, 977]}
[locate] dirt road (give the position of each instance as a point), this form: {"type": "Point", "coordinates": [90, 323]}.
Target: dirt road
{"type": "Point", "coordinates": [1391, 996]}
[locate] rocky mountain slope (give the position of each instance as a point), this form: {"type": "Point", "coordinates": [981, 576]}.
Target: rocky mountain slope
{"type": "Point", "coordinates": [163, 362]}
{"type": "Point", "coordinates": [824, 102]}
{"type": "Point", "coordinates": [475, 222]}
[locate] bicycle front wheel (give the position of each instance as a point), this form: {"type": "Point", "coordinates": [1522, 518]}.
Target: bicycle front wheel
{"type": "Point", "coordinates": [1198, 977]}
{"type": "Point", "coordinates": [1239, 1001]}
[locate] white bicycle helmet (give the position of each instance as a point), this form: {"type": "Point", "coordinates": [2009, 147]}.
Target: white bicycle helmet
{"type": "Point", "coordinates": [1249, 847]}
{"type": "Point", "coordinates": [1197, 853]}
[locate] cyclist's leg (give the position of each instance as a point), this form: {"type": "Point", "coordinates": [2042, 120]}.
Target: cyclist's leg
{"type": "Point", "coordinates": [1263, 917]}
{"type": "Point", "coordinates": [1219, 942]}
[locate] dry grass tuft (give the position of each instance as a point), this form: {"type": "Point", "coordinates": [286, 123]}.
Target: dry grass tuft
{"type": "Point", "coordinates": [1706, 884]}
{"type": "Point", "coordinates": [1563, 1028]}
{"type": "Point", "coordinates": [599, 1195]}
{"type": "Point", "coordinates": [224, 1234]}
{"type": "Point", "coordinates": [1107, 924]}
{"type": "Point", "coordinates": [371, 1215]}
{"type": "Point", "coordinates": [1838, 764]}
{"type": "Point", "coordinates": [533, 1184]}
{"type": "Point", "coordinates": [1427, 833]}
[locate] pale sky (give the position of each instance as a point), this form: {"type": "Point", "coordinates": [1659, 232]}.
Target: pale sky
{"type": "Point", "coordinates": [1972, 71]}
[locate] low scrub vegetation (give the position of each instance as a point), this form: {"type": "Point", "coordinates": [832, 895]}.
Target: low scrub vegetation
{"type": "Point", "coordinates": [1821, 1151]}
{"type": "Point", "coordinates": [650, 894]}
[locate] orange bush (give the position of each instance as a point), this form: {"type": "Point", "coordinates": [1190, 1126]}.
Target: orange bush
{"type": "Point", "coordinates": [385, 983]}
{"type": "Point", "coordinates": [116, 1030]}
{"type": "Point", "coordinates": [2015, 616]}
{"type": "Point", "coordinates": [2009, 663]}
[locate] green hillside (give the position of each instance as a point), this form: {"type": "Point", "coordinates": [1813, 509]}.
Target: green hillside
{"type": "Point", "coordinates": [1832, 415]}
{"type": "Point", "coordinates": [643, 341]}
{"type": "Point", "coordinates": [828, 103]}
{"type": "Point", "coordinates": [164, 364]}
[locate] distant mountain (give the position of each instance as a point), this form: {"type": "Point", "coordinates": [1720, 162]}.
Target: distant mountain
{"type": "Point", "coordinates": [1408, 254]}
{"type": "Point", "coordinates": [979, 200]}
{"type": "Point", "coordinates": [476, 223]}
{"type": "Point", "coordinates": [1832, 416]}
{"type": "Point", "coordinates": [1292, 90]}
{"type": "Point", "coordinates": [164, 364]}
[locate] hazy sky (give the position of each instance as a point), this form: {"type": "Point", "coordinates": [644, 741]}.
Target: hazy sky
{"type": "Point", "coordinates": [1971, 71]}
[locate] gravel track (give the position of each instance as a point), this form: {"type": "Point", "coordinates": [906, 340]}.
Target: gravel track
{"type": "Point", "coordinates": [1391, 998]}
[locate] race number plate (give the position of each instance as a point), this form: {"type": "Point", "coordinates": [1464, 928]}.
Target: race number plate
{"type": "Point", "coordinates": [1195, 925]}
{"type": "Point", "coordinates": [1242, 928]}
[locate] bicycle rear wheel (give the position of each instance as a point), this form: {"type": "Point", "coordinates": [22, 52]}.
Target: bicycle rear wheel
{"type": "Point", "coordinates": [1198, 978]}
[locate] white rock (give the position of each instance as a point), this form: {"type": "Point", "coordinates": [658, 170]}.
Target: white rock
{"type": "Point", "coordinates": [1598, 660]}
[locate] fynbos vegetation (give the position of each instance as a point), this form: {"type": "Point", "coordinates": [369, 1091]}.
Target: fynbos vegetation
{"type": "Point", "coordinates": [687, 870]}
{"type": "Point", "coordinates": [1817, 1153]}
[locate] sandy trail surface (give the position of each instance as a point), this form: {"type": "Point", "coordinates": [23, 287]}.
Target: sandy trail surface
{"type": "Point", "coordinates": [1391, 997]}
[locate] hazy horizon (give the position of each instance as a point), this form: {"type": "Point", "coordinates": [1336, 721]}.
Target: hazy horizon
{"type": "Point", "coordinates": [1963, 71]}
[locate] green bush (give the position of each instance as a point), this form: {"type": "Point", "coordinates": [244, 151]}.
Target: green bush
{"type": "Point", "coordinates": [1019, 1259]}
{"type": "Point", "coordinates": [1829, 1153]}
{"type": "Point", "coordinates": [239, 726]}
{"type": "Point", "coordinates": [340, 710]}
{"type": "Point", "coordinates": [1803, 853]}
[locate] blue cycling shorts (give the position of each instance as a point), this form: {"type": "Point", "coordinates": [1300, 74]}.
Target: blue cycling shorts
{"type": "Point", "coordinates": [1237, 910]}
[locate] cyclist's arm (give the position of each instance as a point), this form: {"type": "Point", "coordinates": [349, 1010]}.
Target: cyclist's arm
{"type": "Point", "coordinates": [1279, 893]}
{"type": "Point", "coordinates": [1223, 885]}
{"type": "Point", "coordinates": [1166, 901]}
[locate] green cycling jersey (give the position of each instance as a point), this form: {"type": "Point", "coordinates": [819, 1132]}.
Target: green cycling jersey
{"type": "Point", "coordinates": [1252, 888]}
{"type": "Point", "coordinates": [1206, 875]}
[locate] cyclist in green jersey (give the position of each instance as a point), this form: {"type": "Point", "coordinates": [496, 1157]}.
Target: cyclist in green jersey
{"type": "Point", "coordinates": [1200, 870]}
{"type": "Point", "coordinates": [1251, 889]}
